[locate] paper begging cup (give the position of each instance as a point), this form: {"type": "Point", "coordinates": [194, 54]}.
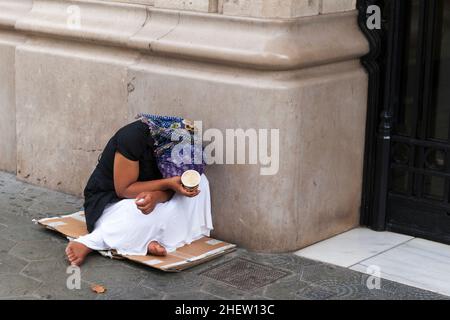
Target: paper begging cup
{"type": "Point", "coordinates": [190, 179]}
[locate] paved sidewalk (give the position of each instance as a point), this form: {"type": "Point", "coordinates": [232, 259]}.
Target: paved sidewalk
{"type": "Point", "coordinates": [33, 266]}
{"type": "Point", "coordinates": [401, 258]}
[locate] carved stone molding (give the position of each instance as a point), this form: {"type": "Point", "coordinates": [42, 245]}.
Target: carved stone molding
{"type": "Point", "coordinates": [270, 44]}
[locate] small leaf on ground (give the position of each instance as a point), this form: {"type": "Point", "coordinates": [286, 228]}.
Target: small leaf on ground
{"type": "Point", "coordinates": [98, 288]}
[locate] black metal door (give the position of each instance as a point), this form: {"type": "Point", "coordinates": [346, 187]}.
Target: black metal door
{"type": "Point", "coordinates": [419, 179]}
{"type": "Point", "coordinates": [407, 187]}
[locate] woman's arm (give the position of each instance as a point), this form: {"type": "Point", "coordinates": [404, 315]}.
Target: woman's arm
{"type": "Point", "coordinates": [126, 173]}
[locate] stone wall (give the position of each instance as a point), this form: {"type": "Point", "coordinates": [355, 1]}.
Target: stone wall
{"type": "Point", "coordinates": [65, 89]}
{"type": "Point", "coordinates": [254, 8]}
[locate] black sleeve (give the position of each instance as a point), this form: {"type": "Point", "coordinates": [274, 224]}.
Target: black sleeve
{"type": "Point", "coordinates": [130, 142]}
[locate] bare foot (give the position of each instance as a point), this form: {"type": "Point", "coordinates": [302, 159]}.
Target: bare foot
{"type": "Point", "coordinates": [154, 248]}
{"type": "Point", "coordinates": [76, 252]}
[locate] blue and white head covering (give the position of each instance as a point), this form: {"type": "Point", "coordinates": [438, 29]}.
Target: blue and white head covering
{"type": "Point", "coordinates": [177, 148]}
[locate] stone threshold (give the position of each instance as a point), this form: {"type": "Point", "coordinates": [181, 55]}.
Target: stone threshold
{"type": "Point", "coordinates": [411, 261]}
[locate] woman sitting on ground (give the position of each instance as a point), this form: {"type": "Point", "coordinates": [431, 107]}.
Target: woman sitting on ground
{"type": "Point", "coordinates": [167, 217]}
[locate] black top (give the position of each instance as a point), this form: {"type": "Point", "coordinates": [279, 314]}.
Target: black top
{"type": "Point", "coordinates": [134, 142]}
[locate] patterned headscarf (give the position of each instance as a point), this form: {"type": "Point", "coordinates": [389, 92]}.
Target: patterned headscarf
{"type": "Point", "coordinates": [168, 132]}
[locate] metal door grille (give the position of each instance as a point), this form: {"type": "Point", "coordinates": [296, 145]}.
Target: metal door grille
{"type": "Point", "coordinates": [407, 171]}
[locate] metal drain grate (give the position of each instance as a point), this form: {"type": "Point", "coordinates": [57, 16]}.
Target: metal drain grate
{"type": "Point", "coordinates": [244, 274]}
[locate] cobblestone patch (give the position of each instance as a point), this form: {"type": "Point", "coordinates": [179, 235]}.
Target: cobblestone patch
{"type": "Point", "coordinates": [33, 264]}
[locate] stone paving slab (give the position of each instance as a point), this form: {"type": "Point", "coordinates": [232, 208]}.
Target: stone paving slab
{"type": "Point", "coordinates": [33, 265]}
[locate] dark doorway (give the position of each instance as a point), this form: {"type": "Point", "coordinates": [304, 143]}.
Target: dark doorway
{"type": "Point", "coordinates": [407, 174]}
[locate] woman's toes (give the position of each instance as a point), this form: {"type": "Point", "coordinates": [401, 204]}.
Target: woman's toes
{"type": "Point", "coordinates": [76, 262]}
{"type": "Point", "coordinates": [154, 248]}
{"type": "Point", "coordinates": [69, 254]}
{"type": "Point", "coordinates": [162, 250]}
{"type": "Point", "coordinates": [76, 252]}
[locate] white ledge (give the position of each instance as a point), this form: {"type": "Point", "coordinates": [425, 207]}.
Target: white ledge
{"type": "Point", "coordinates": [272, 44]}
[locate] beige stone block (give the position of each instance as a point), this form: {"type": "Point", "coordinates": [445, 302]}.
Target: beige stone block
{"type": "Point", "coordinates": [332, 6]}
{"type": "Point", "coordinates": [8, 43]}
{"type": "Point", "coordinates": [192, 5]}
{"type": "Point", "coordinates": [321, 117]}
{"type": "Point", "coordinates": [291, 74]}
{"type": "Point", "coordinates": [71, 98]}
{"type": "Point", "coordinates": [270, 8]}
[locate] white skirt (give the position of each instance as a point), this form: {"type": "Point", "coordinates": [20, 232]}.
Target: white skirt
{"type": "Point", "coordinates": [177, 222]}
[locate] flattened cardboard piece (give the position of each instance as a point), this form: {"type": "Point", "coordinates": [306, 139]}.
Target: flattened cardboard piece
{"type": "Point", "coordinates": [198, 252]}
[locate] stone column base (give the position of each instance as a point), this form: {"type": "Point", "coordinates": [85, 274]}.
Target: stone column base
{"type": "Point", "coordinates": [74, 87]}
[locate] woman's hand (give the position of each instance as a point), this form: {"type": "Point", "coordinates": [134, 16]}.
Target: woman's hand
{"type": "Point", "coordinates": [175, 185]}
{"type": "Point", "coordinates": [146, 202]}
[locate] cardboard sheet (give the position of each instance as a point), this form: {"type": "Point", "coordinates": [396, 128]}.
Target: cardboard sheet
{"type": "Point", "coordinates": [199, 251]}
